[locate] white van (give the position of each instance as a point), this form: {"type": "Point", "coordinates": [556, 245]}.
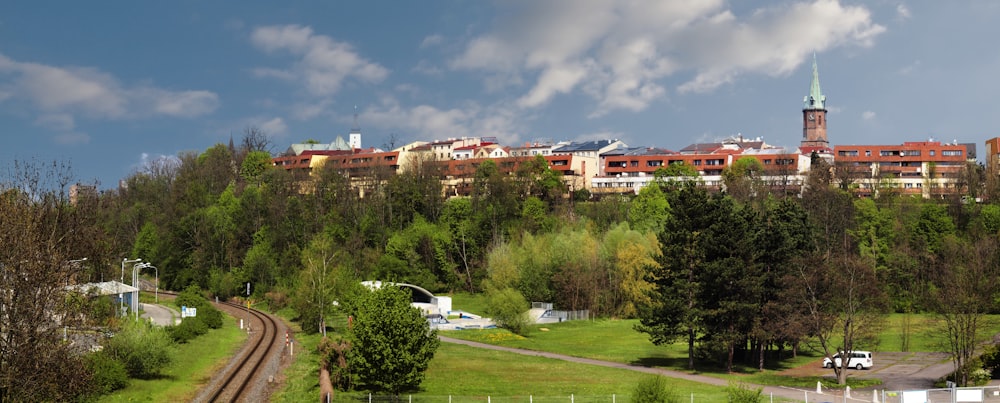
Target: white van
{"type": "Point", "coordinates": [859, 360]}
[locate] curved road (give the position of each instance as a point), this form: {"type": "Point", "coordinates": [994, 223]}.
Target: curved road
{"type": "Point", "coordinates": [896, 375]}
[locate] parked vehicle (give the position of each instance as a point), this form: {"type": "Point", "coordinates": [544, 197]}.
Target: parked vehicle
{"type": "Point", "coordinates": [858, 360]}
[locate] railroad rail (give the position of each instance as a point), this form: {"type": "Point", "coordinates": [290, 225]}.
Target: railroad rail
{"type": "Point", "coordinates": [246, 375]}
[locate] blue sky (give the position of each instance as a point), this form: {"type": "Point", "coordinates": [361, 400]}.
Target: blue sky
{"type": "Point", "coordinates": [109, 88]}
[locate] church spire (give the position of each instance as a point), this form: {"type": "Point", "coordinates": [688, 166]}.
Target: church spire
{"type": "Point", "coordinates": [815, 100]}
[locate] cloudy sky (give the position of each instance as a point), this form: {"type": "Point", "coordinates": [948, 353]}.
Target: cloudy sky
{"type": "Point", "coordinates": [109, 89]}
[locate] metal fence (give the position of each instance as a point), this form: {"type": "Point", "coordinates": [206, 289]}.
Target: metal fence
{"type": "Point", "coordinates": [615, 398]}
{"type": "Point", "coordinates": [943, 395]}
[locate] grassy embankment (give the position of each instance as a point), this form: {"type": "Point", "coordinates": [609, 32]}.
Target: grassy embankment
{"type": "Point", "coordinates": [192, 366]}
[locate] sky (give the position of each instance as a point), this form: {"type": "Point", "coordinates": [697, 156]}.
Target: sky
{"type": "Point", "coordinates": [106, 90]}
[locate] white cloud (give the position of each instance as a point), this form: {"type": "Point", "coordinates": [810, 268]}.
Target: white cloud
{"type": "Point", "coordinates": [60, 96]}
{"type": "Point", "coordinates": [431, 40]}
{"type": "Point", "coordinates": [623, 53]}
{"type": "Point", "coordinates": [310, 110]}
{"type": "Point", "coordinates": [430, 122]}
{"type": "Point", "coordinates": [274, 127]}
{"type": "Point", "coordinates": [322, 63]}
{"type": "Point", "coordinates": [56, 121]}
{"type": "Point", "coordinates": [868, 115]}
{"type": "Point", "coordinates": [902, 11]}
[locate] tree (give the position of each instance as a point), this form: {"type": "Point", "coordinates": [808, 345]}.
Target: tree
{"type": "Point", "coordinates": [509, 309]}
{"type": "Point", "coordinates": [321, 281]}
{"type": "Point", "coordinates": [391, 341]}
{"type": "Point", "coordinates": [743, 179]}
{"type": "Point", "coordinates": [649, 210]}
{"type": "Point", "coordinates": [844, 307]}
{"type": "Point", "coordinates": [964, 297]}
{"type": "Point", "coordinates": [39, 231]}
{"type": "Point", "coordinates": [675, 309]}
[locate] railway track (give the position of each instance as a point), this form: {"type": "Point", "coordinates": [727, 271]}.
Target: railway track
{"type": "Point", "coordinates": [246, 376]}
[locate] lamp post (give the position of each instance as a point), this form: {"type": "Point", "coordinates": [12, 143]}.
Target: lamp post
{"type": "Point", "coordinates": [121, 295]}
{"type": "Point", "coordinates": [156, 290]}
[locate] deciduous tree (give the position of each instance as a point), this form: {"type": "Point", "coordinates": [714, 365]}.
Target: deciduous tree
{"type": "Point", "coordinates": [391, 341]}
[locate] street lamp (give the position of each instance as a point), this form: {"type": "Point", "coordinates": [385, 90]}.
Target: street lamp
{"type": "Point", "coordinates": [156, 290]}
{"type": "Point", "coordinates": [121, 295]}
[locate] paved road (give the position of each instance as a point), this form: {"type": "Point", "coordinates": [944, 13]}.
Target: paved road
{"type": "Point", "coordinates": [898, 371]}
{"type": "Point", "coordinates": [783, 392]}
{"type": "Point", "coordinates": [160, 314]}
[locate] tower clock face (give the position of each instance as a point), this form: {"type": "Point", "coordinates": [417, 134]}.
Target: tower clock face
{"type": "Point", "coordinates": [812, 117]}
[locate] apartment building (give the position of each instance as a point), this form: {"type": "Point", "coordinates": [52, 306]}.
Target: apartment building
{"type": "Point", "coordinates": [926, 168]}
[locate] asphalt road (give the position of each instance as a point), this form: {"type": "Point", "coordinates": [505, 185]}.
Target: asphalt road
{"type": "Point", "coordinates": [160, 314]}
{"type": "Point", "coordinates": [898, 372]}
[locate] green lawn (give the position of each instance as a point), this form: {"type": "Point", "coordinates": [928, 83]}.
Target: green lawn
{"type": "Point", "coordinates": [469, 374]}
{"type": "Point", "coordinates": [193, 365]}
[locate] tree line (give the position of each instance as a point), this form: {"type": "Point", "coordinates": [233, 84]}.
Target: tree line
{"type": "Point", "coordinates": [740, 276]}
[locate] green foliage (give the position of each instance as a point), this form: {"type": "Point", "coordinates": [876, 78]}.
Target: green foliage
{"type": "Point", "coordinates": [142, 348]}
{"type": "Point", "coordinates": [740, 393]}
{"type": "Point", "coordinates": [676, 170]}
{"type": "Point", "coordinates": [320, 284]}
{"type": "Point", "coordinates": [206, 312]}
{"type": "Point", "coordinates": [188, 329]}
{"type": "Point", "coordinates": [649, 210]}
{"type": "Point", "coordinates": [990, 217]}
{"type": "Point", "coordinates": [509, 310]}
{"type": "Point", "coordinates": [391, 341]}
{"type": "Point", "coordinates": [109, 374]}
{"type": "Point", "coordinates": [254, 165]}
{"type": "Point", "coordinates": [420, 255]}
{"type": "Point", "coordinates": [654, 389]}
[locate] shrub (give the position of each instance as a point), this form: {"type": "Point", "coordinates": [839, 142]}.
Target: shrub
{"type": "Point", "coordinates": [109, 374]}
{"type": "Point", "coordinates": [739, 393]}
{"type": "Point", "coordinates": [188, 329]}
{"type": "Point", "coordinates": [654, 389]}
{"type": "Point", "coordinates": [192, 297]}
{"type": "Point", "coordinates": [509, 310]}
{"type": "Point", "coordinates": [143, 349]}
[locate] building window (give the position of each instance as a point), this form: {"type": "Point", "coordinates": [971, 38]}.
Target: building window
{"type": "Point", "coordinates": [848, 153]}
{"type": "Point", "coordinates": [911, 153]}
{"type": "Point", "coordinates": [697, 163]}
{"type": "Point", "coordinates": [868, 153]}
{"type": "Point", "coordinates": [951, 153]}
{"type": "Point", "coordinates": [932, 152]}
{"type": "Point", "coordinates": [634, 163]}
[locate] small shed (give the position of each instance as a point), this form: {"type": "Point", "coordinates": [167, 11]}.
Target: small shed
{"type": "Point", "coordinates": [122, 294]}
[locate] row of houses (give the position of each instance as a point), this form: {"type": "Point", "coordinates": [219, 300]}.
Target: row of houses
{"type": "Point", "coordinates": [611, 166]}
{"type": "Point", "coordinates": [926, 168]}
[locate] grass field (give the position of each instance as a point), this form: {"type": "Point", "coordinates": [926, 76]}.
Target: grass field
{"type": "Point", "coordinates": [469, 374]}
{"type": "Point", "coordinates": [193, 365]}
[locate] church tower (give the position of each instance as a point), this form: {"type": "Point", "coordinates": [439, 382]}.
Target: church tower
{"type": "Point", "coordinates": [814, 114]}
{"type": "Point", "coordinates": [354, 137]}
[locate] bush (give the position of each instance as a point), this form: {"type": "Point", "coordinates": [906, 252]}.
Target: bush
{"type": "Point", "coordinates": [739, 393]}
{"type": "Point", "coordinates": [192, 297]}
{"type": "Point", "coordinates": [143, 349]}
{"type": "Point", "coordinates": [654, 389]}
{"type": "Point", "coordinates": [509, 310]}
{"type": "Point", "coordinates": [109, 374]}
{"type": "Point", "coordinates": [188, 329]}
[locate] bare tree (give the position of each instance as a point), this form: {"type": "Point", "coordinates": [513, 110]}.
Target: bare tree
{"type": "Point", "coordinates": [38, 231]}
{"type": "Point", "coordinates": [842, 306]}
{"type": "Point", "coordinates": [964, 298]}
{"type": "Point", "coordinates": [255, 139]}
